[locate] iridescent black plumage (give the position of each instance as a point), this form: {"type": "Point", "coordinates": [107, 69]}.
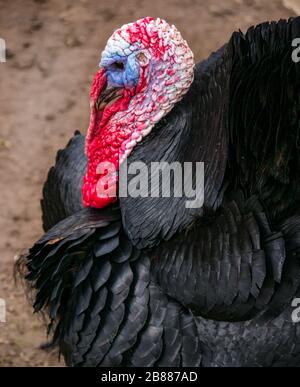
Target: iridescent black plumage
{"type": "Point", "coordinates": [149, 282]}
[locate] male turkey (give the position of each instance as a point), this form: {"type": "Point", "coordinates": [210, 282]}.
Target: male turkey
{"type": "Point", "coordinates": [145, 281]}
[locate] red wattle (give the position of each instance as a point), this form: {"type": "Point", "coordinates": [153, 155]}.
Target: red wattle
{"type": "Point", "coordinates": [103, 146]}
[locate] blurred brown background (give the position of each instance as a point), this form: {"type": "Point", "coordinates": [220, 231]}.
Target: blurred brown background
{"type": "Point", "coordinates": [53, 51]}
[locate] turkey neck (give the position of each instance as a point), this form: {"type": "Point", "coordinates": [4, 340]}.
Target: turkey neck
{"type": "Point", "coordinates": [150, 220]}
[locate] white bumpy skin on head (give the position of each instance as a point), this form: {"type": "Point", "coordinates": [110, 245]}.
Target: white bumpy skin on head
{"type": "Point", "coordinates": [164, 65]}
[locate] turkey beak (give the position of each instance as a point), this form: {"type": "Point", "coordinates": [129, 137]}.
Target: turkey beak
{"type": "Point", "coordinates": [107, 97]}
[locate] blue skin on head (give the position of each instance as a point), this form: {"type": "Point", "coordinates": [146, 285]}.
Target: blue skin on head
{"type": "Point", "coordinates": [121, 71]}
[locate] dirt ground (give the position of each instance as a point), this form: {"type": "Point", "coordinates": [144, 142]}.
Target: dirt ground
{"type": "Point", "coordinates": [53, 48]}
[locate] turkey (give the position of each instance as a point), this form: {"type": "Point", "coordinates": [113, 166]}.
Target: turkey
{"type": "Point", "coordinates": [148, 281]}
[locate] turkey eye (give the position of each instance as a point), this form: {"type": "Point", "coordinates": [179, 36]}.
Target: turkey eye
{"type": "Point", "coordinates": [118, 65]}
{"type": "Point", "coordinates": [142, 58]}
